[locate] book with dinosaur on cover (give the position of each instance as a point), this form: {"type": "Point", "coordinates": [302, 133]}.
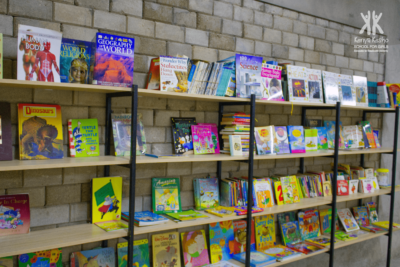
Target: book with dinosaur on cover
{"type": "Point", "coordinates": [14, 214]}
{"type": "Point", "coordinates": [40, 131]}
{"type": "Point", "coordinates": [83, 138]}
{"type": "Point", "coordinates": [141, 256]}
{"type": "Point", "coordinates": [166, 250]}
{"type": "Point", "coordinates": [94, 257]}
{"type": "Point", "coordinates": [221, 236]}
{"type": "Point", "coordinates": [45, 258]}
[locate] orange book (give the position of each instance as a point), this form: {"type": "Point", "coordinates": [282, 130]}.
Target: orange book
{"type": "Point", "coordinates": [153, 78]}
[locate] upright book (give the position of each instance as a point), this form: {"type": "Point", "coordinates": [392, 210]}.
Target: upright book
{"type": "Point", "coordinates": [309, 224]}
{"type": "Point", "coordinates": [271, 82]}
{"type": "Point", "coordinates": [248, 76]}
{"type": "Point", "coordinates": [361, 86]}
{"type": "Point", "coordinates": [264, 139]}
{"type": "Point", "coordinates": [94, 257]}
{"type": "Point", "coordinates": [281, 141]}
{"type": "Point", "coordinates": [14, 214]}
{"type": "Point", "coordinates": [75, 61]}
{"type": "Point", "coordinates": [206, 193]}
{"type": "Point", "coordinates": [5, 131]}
{"type": "Point", "coordinates": [221, 238]}
{"type": "Point", "coordinates": [45, 258]}
{"type": "Point", "coordinates": [297, 83]}
{"type": "Point", "coordinates": [331, 87]}
{"type": "Point", "coordinates": [182, 134]}
{"type": "Point", "coordinates": [265, 232]}
{"type": "Point", "coordinates": [173, 74]}
{"type": "Point", "coordinates": [194, 248]}
{"type": "Point", "coordinates": [311, 139]}
{"type": "Point", "coordinates": [314, 79]}
{"type": "Point", "coordinates": [83, 138]}
{"type": "Point", "coordinates": [166, 250]}
{"type": "Point", "coordinates": [153, 78]}
{"type": "Point", "coordinates": [141, 256]}
{"type": "Point", "coordinates": [202, 140]}
{"type": "Point", "coordinates": [290, 232]}
{"type": "Point", "coordinates": [347, 92]}
{"type": "Point", "coordinates": [166, 195]}
{"type": "Point", "coordinates": [240, 233]}
{"type": "Point", "coordinates": [296, 139]}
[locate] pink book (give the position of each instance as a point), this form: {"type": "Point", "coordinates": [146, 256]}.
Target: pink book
{"type": "Point", "coordinates": [271, 82]}
{"type": "Point", "coordinates": [214, 133]}
{"type": "Point", "coordinates": [202, 139]}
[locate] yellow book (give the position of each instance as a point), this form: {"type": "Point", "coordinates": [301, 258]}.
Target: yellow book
{"type": "Point", "coordinates": [385, 225]}
{"type": "Point", "coordinates": [278, 193]}
{"type": "Point", "coordinates": [299, 188]}
{"type": "Point", "coordinates": [263, 191]}
{"type": "Point", "coordinates": [166, 250]}
{"type": "Point", "coordinates": [222, 211]}
{"type": "Point", "coordinates": [265, 232]}
{"type": "Point", "coordinates": [293, 183]}
{"type": "Point", "coordinates": [327, 189]}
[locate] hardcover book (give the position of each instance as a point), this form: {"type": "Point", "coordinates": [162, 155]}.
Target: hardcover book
{"type": "Point", "coordinates": [248, 76]}
{"type": "Point", "coordinates": [278, 193]}
{"type": "Point", "coordinates": [265, 232]}
{"type": "Point", "coordinates": [221, 238]}
{"type": "Point", "coordinates": [214, 134]}
{"type": "Point", "coordinates": [353, 186]}
{"type": "Point", "coordinates": [173, 74]}
{"type": "Point", "coordinates": [5, 131]}
{"type": "Point", "coordinates": [45, 258]}
{"type": "Point", "coordinates": [361, 86]}
{"type": "Point", "coordinates": [281, 142]}
{"type": "Point", "coordinates": [263, 193]}
{"type": "Point", "coordinates": [153, 77]}
{"type": "Point", "coordinates": [194, 248]}
{"type": "Point", "coordinates": [342, 188]}
{"type": "Point", "coordinates": [257, 259]}
{"type": "Point", "coordinates": [206, 192]}
{"type": "Point", "coordinates": [286, 217]}
{"type": "Point", "coordinates": [83, 138]}
{"type": "Point", "coordinates": [361, 216]}
{"type": "Point", "coordinates": [222, 211]}
{"type": "Point", "coordinates": [166, 250]}
{"type": "Point", "coordinates": [372, 213]}
{"type": "Point", "coordinates": [264, 139]}
{"type": "Point", "coordinates": [182, 134]}
{"type": "Point", "coordinates": [202, 140]}
{"type": "Point", "coordinates": [297, 83]}
{"type": "Point", "coordinates": [166, 195]}
{"type": "Point", "coordinates": [314, 79]}
{"type": "Point", "coordinates": [271, 82]}
{"type": "Point", "coordinates": [347, 220]}
{"type": "Point", "coordinates": [296, 139]}
{"type": "Point", "coordinates": [287, 190]}
{"type": "Point", "coordinates": [75, 61]}
{"type": "Point", "coordinates": [331, 87]}
{"type": "Point", "coordinates": [240, 233]}
{"type": "Point", "coordinates": [94, 257]}
{"type": "Point", "coordinates": [14, 214]}
{"type": "Point", "coordinates": [330, 130]}
{"type": "Point", "coordinates": [352, 136]}
{"type": "Point", "coordinates": [305, 247]}
{"type": "Point", "coordinates": [290, 232]}
{"type": "Point", "coordinates": [309, 224]}
{"type": "Point", "coordinates": [347, 91]}
{"type": "Point", "coordinates": [141, 256]}
{"type": "Point", "coordinates": [40, 131]}
{"type": "Point", "coordinates": [369, 139]}
{"type": "Point", "coordinates": [325, 221]}
{"type": "Point", "coordinates": [143, 218]}
{"type": "Point", "coordinates": [311, 139]}
{"type": "Point", "coordinates": [186, 215]}
{"type": "Point", "coordinates": [385, 225]}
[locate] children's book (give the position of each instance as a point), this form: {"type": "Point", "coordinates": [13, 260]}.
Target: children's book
{"type": "Point", "coordinates": [14, 214]}
{"type": "Point", "coordinates": [235, 144]}
{"type": "Point", "coordinates": [347, 220]}
{"type": "Point", "coordinates": [361, 216]}
{"type": "Point", "coordinates": [141, 254]}
{"type": "Point", "coordinates": [327, 188]}
{"type": "Point", "coordinates": [375, 183]}
{"type": "Point", "coordinates": [369, 139]}
{"type": "Point", "coordinates": [257, 259]}
{"type": "Point", "coordinates": [286, 217]}
{"type": "Point", "coordinates": [290, 232]}
{"type": "Point", "coordinates": [6, 150]}
{"type": "Point", "coordinates": [40, 131]}
{"type": "Point", "coordinates": [263, 193]}
{"type": "Point", "coordinates": [265, 137]}
{"type": "Point", "coordinates": [194, 248]}
{"type": "Point", "coordinates": [305, 247]}
{"type": "Point", "coordinates": [309, 224]}
{"type": "Point", "coordinates": [221, 238]}
{"type": "Point", "coordinates": [222, 211]}
{"type": "Point", "coordinates": [206, 192]}
{"type": "Point", "coordinates": [7, 261]}
{"type": "Point", "coordinates": [278, 193]}
{"type": "Point", "coordinates": [242, 210]}
{"type": "Point", "coordinates": [287, 190]}
{"type": "Point", "coordinates": [331, 87]}
{"type": "Point", "coordinates": [376, 136]}
{"type": "Point", "coordinates": [367, 186]}
{"type": "Point", "coordinates": [382, 99]}
{"type": "Point", "coordinates": [96, 257]}
{"type": "Point", "coordinates": [311, 139]}
{"type": "Point", "coordinates": [322, 138]}
{"type": "Point", "coordinates": [224, 264]}
{"type": "Point", "coordinates": [153, 77]}
{"type": "Point", "coordinates": [323, 241]}
{"type": "Point", "coordinates": [271, 81]}
{"type": "Point", "coordinates": [314, 79]}
{"type": "Point", "coordinates": [144, 218]}
{"type": "Point", "coordinates": [166, 195]}
{"type": "Point", "coordinates": [361, 86]}
{"type": "Point", "coordinates": [347, 92]}
{"type": "Point", "coordinates": [248, 76]}
{"type": "Point", "coordinates": [342, 188]}
{"type": "Point", "coordinates": [240, 233]}
{"type": "Point", "coordinates": [202, 140]}
{"type": "Point", "coordinates": [344, 237]}
{"type": "Point", "coordinates": [83, 138]}
{"type": "Point", "coordinates": [45, 258]}
{"type": "Point", "coordinates": [214, 133]}
{"type": "Point", "coordinates": [282, 253]}
{"type": "Point", "coordinates": [353, 186]}
{"type": "Point", "coordinates": [352, 136]}
{"type": "Point", "coordinates": [296, 139]}
{"type": "Point", "coordinates": [173, 74]}
{"type": "Point", "coordinates": [325, 221]}
{"type": "Point", "coordinates": [281, 142]}
{"type": "Point", "coordinates": [121, 124]}
{"type": "Point", "coordinates": [265, 232]}
{"type": "Point", "coordinates": [182, 134]}
{"type": "Point", "coordinates": [295, 188]}
{"type": "Point", "coordinates": [372, 213]}
{"type": "Point", "coordinates": [385, 225]}
{"type": "Point", "coordinates": [297, 84]}
{"type": "Point", "coordinates": [166, 250]}
{"type": "Point", "coordinates": [186, 215]}
{"type": "Point", "coordinates": [330, 130]}
{"type": "Point", "coordinates": [75, 61]}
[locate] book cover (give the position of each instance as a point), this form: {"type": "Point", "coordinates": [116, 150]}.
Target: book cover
{"type": "Point", "coordinates": [209, 193]}
{"type": "Point", "coordinates": [112, 60]}
{"type": "Point", "coordinates": [330, 131]}
{"type": "Point", "coordinates": [235, 145]}
{"type": "Point", "coordinates": [173, 74]}
{"type": "Point", "coordinates": [38, 56]}
{"type": "Point", "coordinates": [194, 248]}
{"type": "Point", "coordinates": [40, 131]}
{"type": "Point", "coordinates": [221, 237]}
{"type": "Point", "coordinates": [202, 140]}
{"type": "Point", "coordinates": [265, 232]}
{"type": "Point", "coordinates": [385, 225]}
{"type": "Point", "coordinates": [372, 93]}
{"type": "Point", "coordinates": [286, 217]}
{"type": "Point", "coordinates": [166, 250]}
{"type": "Point", "coordinates": [368, 134]}
{"type": "Point", "coordinates": [353, 186]}
{"type": "Point", "coordinates": [322, 138]}
{"type": "Point", "coordinates": [309, 224]}
{"type": "Point", "coordinates": [83, 138]}
{"type": "Point", "coordinates": [214, 134]}
{"type": "Point", "coordinates": [376, 137]}
{"type": "Point", "coordinates": [290, 232]}
{"type": "Point", "coordinates": [248, 76]}
{"type": "Point", "coordinates": [296, 190]}
{"type": "Point", "coordinates": [182, 134]}
{"type": "Point", "coordinates": [141, 256]}
{"type": "Point", "coordinates": [313, 123]}
{"type": "Point", "coordinates": [264, 139]}
{"type": "Point", "coordinates": [323, 241]}
{"type": "Point", "coordinates": [145, 218]}
{"type": "Point", "coordinates": [342, 188]}
{"type": "Point", "coordinates": [297, 83]}
{"type": "Point", "coordinates": [287, 190]}
{"type": "Point", "coordinates": [367, 186]}
{"type": "Point", "coordinates": [278, 193]}
{"type": "Point", "coordinates": [94, 257]}
{"type": "Point", "coordinates": [351, 136]}
{"type": "Point", "coordinates": [327, 188]}
{"type": "Point", "coordinates": [222, 211]}
{"type": "Point", "coordinates": [121, 124]}
{"type": "Point", "coordinates": [263, 193]}
{"type": "Point", "coordinates": [153, 77]}
{"type": "Point", "coordinates": [45, 258]}
{"type": "Point", "coordinates": [361, 216]}
{"type": "Point", "coordinates": [382, 95]}
{"type": "Point", "coordinates": [347, 92]}
{"type": "Point", "coordinates": [271, 81]}
{"type": "Point", "coordinates": [256, 258]}
{"type": "Point", "coordinates": [347, 220]}
{"type": "Point", "coordinates": [282, 253]}
{"type": "Point", "coordinates": [5, 131]}
{"type": "Point", "coordinates": [14, 214]}
{"type": "Point", "coordinates": [186, 215]}
{"type": "Point", "coordinates": [166, 195]}
{"type": "Point", "coordinates": [296, 139]}
{"type": "Point", "coordinates": [361, 86]}
{"type": "Point", "coordinates": [325, 220]}
{"type": "Point", "coordinates": [331, 87]}
{"type": "Point", "coordinates": [372, 213]}
{"type": "Point", "coordinates": [240, 232]}
{"type": "Point", "coordinates": [305, 247]}
{"type": "Point", "coordinates": [7, 261]}
{"type": "Point", "coordinates": [314, 79]}
{"type": "Point", "coordinates": [311, 139]}
{"type": "Point", "coordinates": [75, 61]}
{"type": "Point", "coordinates": [281, 141]}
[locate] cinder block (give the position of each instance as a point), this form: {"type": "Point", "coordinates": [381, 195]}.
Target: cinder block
{"type": "Point", "coordinates": [197, 114]}
{"type": "Point", "coordinates": [290, 39]}
{"type": "Point", "coordinates": [169, 32]}
{"type": "Point", "coordinates": [300, 27]}
{"type": "Point", "coordinates": [338, 49]}
{"type": "Point", "coordinates": [244, 45]}
{"type": "Point", "coordinates": [79, 175]}
{"type": "Point", "coordinates": [6, 25]}
{"type": "Point", "coordinates": [187, 199]}
{"type": "Point", "coordinates": [316, 31]}
{"type": "Point", "coordinates": [283, 24]}
{"type": "Point", "coordinates": [342, 62]}
{"type": "Point", "coordinates": [109, 21]}
{"type": "Point", "coordinates": [211, 117]}
{"type": "Point", "coordinates": [11, 179]}
{"type": "Point", "coordinates": [346, 71]}
{"type": "Point", "coordinates": [222, 41]}
{"type": "Point", "coordinates": [52, 97]}
{"type": "Point", "coordinates": [272, 36]}
{"type": "Point", "coordinates": [94, 4]}
{"type": "Point", "coordinates": [155, 134]}
{"type": "Point", "coordinates": [253, 32]}
{"type": "Point", "coordinates": [204, 53]}
{"type": "Point", "coordinates": [72, 112]}
{"type": "Point", "coordinates": [127, 7]}
{"type": "Point", "coordinates": [89, 99]}
{"type": "Point", "coordinates": [43, 177]}
{"type": "Point", "coordinates": [141, 26]}
{"type": "Point", "coordinates": [296, 54]}
{"type": "Point", "coordinates": [263, 19]}
{"type": "Point", "coordinates": [163, 117]}
{"type": "Point", "coordinates": [243, 14]}
{"type": "Point", "coordinates": [382, 57]}
{"type": "Point", "coordinates": [335, 25]}
{"type": "Point", "coordinates": [78, 33]}
{"type": "Point", "coordinates": [36, 195]}
{"type": "Point", "coordinates": [275, 10]}
{"type": "Point", "coordinates": [40, 9]}
{"type": "Point", "coordinates": [333, 69]}
{"type": "Point", "coordinates": [311, 56]}
{"type": "Point", "coordinates": [196, 37]}
{"type": "Point", "coordinates": [49, 215]}
{"type": "Point", "coordinates": [306, 18]}
{"type": "Point", "coordinates": [332, 35]}
{"type": "Point", "coordinates": [152, 103]}
{"type": "Point", "coordinates": [303, 64]}
{"type": "Point", "coordinates": [177, 48]}
{"type": "Point", "coordinates": [306, 42]}
{"type": "Point", "coordinates": [157, 12]}
{"type": "Point", "coordinates": [253, 5]}
{"type": "Point", "coordinates": [9, 47]}
{"type": "Point", "coordinates": [279, 51]}
{"type": "Point", "coordinates": [80, 212]}
{"type": "Point", "coordinates": [349, 51]}
{"type": "Point", "coordinates": [208, 106]}
{"type": "Point", "coordinates": [162, 149]}
{"type": "Point", "coordinates": [278, 119]}
{"type": "Point", "coordinates": [348, 29]}
{"type": "Point", "coordinates": [223, 10]}
{"type": "Point", "coordinates": [178, 169]}
{"type": "Point", "coordinates": [156, 170]}
{"type": "Point", "coordinates": [232, 27]}
{"type": "Point", "coordinates": [3, 6]}
{"type": "Point", "coordinates": [263, 49]}
{"type": "Point", "coordinates": [318, 67]}
{"type": "Point", "coordinates": [86, 193]}
{"type": "Point", "coordinates": [63, 194]}
{"type": "Point", "coordinates": [204, 167]}
{"type": "Point", "coordinates": [356, 64]}
{"type": "Point", "coordinates": [82, 15]}
{"type": "Point", "coordinates": [360, 73]}
{"type": "Point", "coordinates": [323, 46]}
{"type": "Point", "coordinates": [344, 38]}
{"type": "Point", "coordinates": [184, 17]}
{"type": "Point", "coordinates": [327, 59]}
{"type": "Point", "coordinates": [368, 66]}
{"type": "Point", "coordinates": [372, 77]}
{"type": "Point", "coordinates": [176, 104]}
{"type": "Point", "coordinates": [379, 68]}
{"type": "Point", "coordinates": [204, 6]}
{"type": "Point", "coordinates": [210, 23]}
{"type": "Point", "coordinates": [372, 56]}
{"type": "Point", "coordinates": [177, 3]}
{"type": "Point", "coordinates": [322, 22]}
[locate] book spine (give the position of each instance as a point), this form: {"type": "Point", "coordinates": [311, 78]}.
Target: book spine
{"type": "Point", "coordinates": [71, 140]}
{"type": "Point", "coordinates": [191, 74]}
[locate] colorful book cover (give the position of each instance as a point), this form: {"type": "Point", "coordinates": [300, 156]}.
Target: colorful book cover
{"type": "Point", "coordinates": [40, 131]}
{"type": "Point", "coordinates": [265, 232]}
{"type": "Point", "coordinates": [311, 139]}
{"type": "Point", "coordinates": [7, 261]}
{"type": "Point", "coordinates": [240, 233]}
{"type": "Point", "coordinates": [221, 237]}
{"type": "Point", "coordinates": [376, 136]}
{"type": "Point", "coordinates": [214, 133]}
{"type": "Point", "coordinates": [327, 188]}
{"type": "Point", "coordinates": [235, 145]}
{"type": "Point", "coordinates": [305, 247]}
{"type": "Point", "coordinates": [282, 253]}
{"type": "Point", "coordinates": [350, 134]}
{"type": "Point", "coordinates": [166, 195]}
{"type": "Point", "coordinates": [271, 81]}
{"type": "Point", "coordinates": [369, 138]}
{"type": "Point", "coordinates": [297, 84]}
{"type": "Point", "coordinates": [182, 134]}
{"type": "Point", "coordinates": [361, 86]}
{"type": "Point", "coordinates": [141, 256]}
{"type": "Point", "coordinates": [194, 248]}
{"type": "Point", "coordinates": [296, 139]}
{"type": "Point", "coordinates": [331, 87]}
{"type": "Point", "coordinates": [372, 213]}
{"type": "Point", "coordinates": [153, 77]}
{"type": "Point", "coordinates": [314, 79]}
{"type": "Point", "coordinates": [5, 131]}
{"type": "Point", "coordinates": [347, 92]}
{"type": "Point", "coordinates": [222, 211]}
{"type": "Point", "coordinates": [330, 130]}
{"type": "Point", "coordinates": [45, 258]}
{"type": "Point", "coordinates": [112, 60]}
{"type": "Point", "coordinates": [322, 138]}
{"type": "Point", "coordinates": [248, 76]}
{"type": "Point", "coordinates": [83, 138]}
{"type": "Point", "coordinates": [278, 193]}
{"type": "Point", "coordinates": [112, 225]}
{"type": "Point", "coordinates": [145, 218]}
{"type": "Point", "coordinates": [287, 190]}
{"type": "Point", "coordinates": [256, 258]}
{"type": "Point", "coordinates": [323, 241]}
{"type": "Point", "coordinates": [14, 214]}
{"type": "Point", "coordinates": [208, 192]}
{"type": "Point", "coordinates": [202, 140]}
{"type": "Point", "coordinates": [342, 188]}
{"type": "Point", "coordinates": [286, 217]}
{"type": "Point", "coordinates": [281, 141]}
{"type": "Point", "coordinates": [361, 216]}
{"type": "Point", "coordinates": [173, 74]}
{"type": "Point", "coordinates": [325, 220]}
{"type": "Point", "coordinates": [263, 192]}
{"type": "Point", "coordinates": [38, 56]}
{"type": "Point", "coordinates": [264, 139]}
{"type": "Point", "coordinates": [385, 225]}
{"type": "Point", "coordinates": [309, 224]}
{"type": "Point", "coordinates": [186, 215]}
{"type": "Point", "coordinates": [75, 61]}
{"type": "Point", "coordinates": [296, 190]}
{"type": "Point", "coordinates": [95, 257]}
{"type": "Point", "coordinates": [166, 250]}
{"type": "Point", "coordinates": [353, 186]}
{"type": "Point", "coordinates": [367, 186]}
{"type": "Point", "coordinates": [290, 232]}
{"type": "Point", "coordinates": [121, 124]}
{"type": "Point", "coordinates": [347, 219]}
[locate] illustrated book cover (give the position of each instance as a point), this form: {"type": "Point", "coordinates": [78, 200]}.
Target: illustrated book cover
{"type": "Point", "coordinates": [282, 253]}
{"type": "Point", "coordinates": [330, 131]}
{"type": "Point", "coordinates": [271, 81]}
{"type": "Point", "coordinates": [166, 195]}
{"type": "Point", "coordinates": [265, 137]}
{"type": "Point", "coordinates": [305, 247]}
{"type": "Point", "coordinates": [140, 253]}
{"type": "Point", "coordinates": [240, 235]}
{"type": "Point", "coordinates": [297, 83]}
{"type": "Point", "coordinates": [325, 221]}
{"type": "Point", "coordinates": [182, 134]}
{"type": "Point", "coordinates": [347, 220]}
{"type": "Point", "coordinates": [263, 193]}
{"type": "Point", "coordinates": [194, 248]}
{"type": "Point", "coordinates": [94, 257]}
{"type": "Point", "coordinates": [7, 261]}
{"type": "Point", "coordinates": [331, 87]}
{"type": "Point", "coordinates": [45, 258]}
{"type": "Point", "coordinates": [166, 250]}
{"type": "Point", "coordinates": [322, 138]}
{"type": "Point", "coordinates": [83, 138]}
{"type": "Point", "coordinates": [265, 232]}
{"type": "Point", "coordinates": [309, 224]}
{"type": "Point", "coordinates": [5, 132]}
{"type": "Point", "coordinates": [372, 213]}
{"type": "Point", "coordinates": [153, 77]}
{"type": "Point", "coordinates": [248, 76]}
{"type": "Point", "coordinates": [202, 140]}
{"type": "Point", "coordinates": [235, 145]}
{"type": "Point", "coordinates": [145, 218]}
{"type": "Point", "coordinates": [221, 238]}
{"type": "Point", "coordinates": [347, 92]}
{"type": "Point", "coordinates": [281, 141]}
{"type": "Point", "coordinates": [290, 232]}
{"type": "Point", "coordinates": [361, 86]}
{"type": "Point", "coordinates": [296, 139]}
{"type": "Point", "coordinates": [361, 216]}
{"type": "Point", "coordinates": [342, 188]}
{"type": "Point", "coordinates": [214, 134]}
{"type": "Point", "coordinates": [206, 193]}
{"type": "Point", "coordinates": [314, 79]}
{"type": "Point", "coordinates": [173, 74]}
{"type": "Point", "coordinates": [75, 61]}
{"type": "Point", "coordinates": [14, 214]}
{"type": "Point", "coordinates": [311, 140]}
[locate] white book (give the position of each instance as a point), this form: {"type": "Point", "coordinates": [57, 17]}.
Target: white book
{"type": "Point", "coordinates": [331, 87]}
{"type": "Point", "coordinates": [367, 185]}
{"type": "Point", "coordinates": [361, 86]}
{"type": "Point", "coordinates": [350, 135]}
{"type": "Point", "coordinates": [353, 186]}
{"type": "Point", "coordinates": [347, 220]}
{"type": "Point", "coordinates": [173, 74]}
{"type": "Point", "coordinates": [347, 91]}
{"type": "Point", "coordinates": [382, 98]}
{"type": "Point", "coordinates": [314, 79]}
{"type": "Point", "coordinates": [297, 83]}
{"type": "Point", "coordinates": [195, 76]}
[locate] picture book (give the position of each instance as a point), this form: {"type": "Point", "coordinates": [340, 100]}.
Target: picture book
{"type": "Point", "coordinates": [278, 193]}
{"type": "Point", "coordinates": [40, 131]}
{"type": "Point", "coordinates": [281, 142]}
{"type": "Point", "coordinates": [14, 214]}
{"type": "Point", "coordinates": [286, 217]}
{"type": "Point", "coordinates": [345, 237]}
{"type": "Point", "coordinates": [361, 216]}
{"type": "Point", "coordinates": [265, 232]}
{"type": "Point", "coordinates": [182, 134]}
{"type": "Point", "coordinates": [297, 84]}
{"type": "Point", "coordinates": [372, 213]}
{"type": "Point", "coordinates": [112, 60]}
{"type": "Point", "coordinates": [282, 253]}
{"type": "Point", "coordinates": [295, 188]}
{"type": "Point", "coordinates": [351, 136]}
{"type": "Point", "coordinates": [143, 218]}
{"type": "Point", "coordinates": [166, 250]}
{"type": "Point", "coordinates": [38, 55]}
{"type": "Point", "coordinates": [45, 258]}
{"type": "Point", "coordinates": [347, 92]}
{"type": "Point", "coordinates": [287, 190]}
{"type": "Point", "coordinates": [290, 232]}
{"type": "Point", "coordinates": [173, 74]}
{"type": "Point", "coordinates": [214, 133]}
{"type": "Point", "coordinates": [221, 238]}
{"type": "Point", "coordinates": [325, 221]}
{"type": "Point", "coordinates": [323, 241]}
{"type": "Point", "coordinates": [375, 183]}
{"type": "Point", "coordinates": [263, 193]}
{"type": "Point", "coordinates": [347, 220]}
{"type": "Point", "coordinates": [327, 188]}
{"type": "Point", "coordinates": [305, 247]}
{"type": "Point", "coordinates": [322, 138]}
{"type": "Point", "coordinates": [331, 87]}
{"type": "Point", "coordinates": [222, 211]}
{"type": "Point", "coordinates": [367, 186]}
{"type": "Point", "coordinates": [257, 259]}
{"type": "Point", "coordinates": [361, 86]}
{"type": "Point", "coordinates": [353, 186]}
{"type": "Point", "coordinates": [7, 261]}
{"type": "Point", "coordinates": [166, 195]}
{"type": "Point", "coordinates": [376, 136]}
{"type": "Point", "coordinates": [271, 82]}
{"type": "Point", "coordinates": [368, 134]}
{"type": "Point", "coordinates": [186, 215]}
{"type": "Point", "coordinates": [235, 144]}
{"type": "Point", "coordinates": [314, 79]}
{"type": "Point", "coordinates": [242, 210]}
{"type": "Point", "coordinates": [330, 131]}
{"type": "Point", "coordinates": [248, 76]}
{"type": "Point", "coordinates": [224, 264]}
{"type": "Point", "coordinates": [342, 188]}
{"type": "Point", "coordinates": [5, 131]}
{"type": "Point", "coordinates": [309, 224]}
{"type": "Point", "coordinates": [153, 77]}
{"type": "Point", "coordinates": [382, 99]}
{"type": "Point", "coordinates": [141, 254]}
{"type": "Point", "coordinates": [95, 257]}
{"type": "Point", "coordinates": [240, 232]}
{"type": "Point", "coordinates": [75, 61]}
{"type": "Point", "coordinates": [206, 192]}
{"type": "Point", "coordinates": [264, 139]}
{"type": "Point", "coordinates": [83, 138]}
{"type": "Point", "coordinates": [202, 140]}
{"type": "Point", "coordinates": [296, 139]}
{"type": "Point", "coordinates": [385, 225]}
{"type": "Point", "coordinates": [311, 139]}
{"type": "Point", "coordinates": [194, 248]}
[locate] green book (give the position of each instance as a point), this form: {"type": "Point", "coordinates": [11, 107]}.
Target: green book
{"type": "Point", "coordinates": [166, 195]}
{"type": "Point", "coordinates": [83, 138]}
{"type": "Point", "coordinates": [290, 232]}
{"type": "Point", "coordinates": [311, 139]}
{"type": "Point", "coordinates": [141, 256]}
{"type": "Point", "coordinates": [186, 215]}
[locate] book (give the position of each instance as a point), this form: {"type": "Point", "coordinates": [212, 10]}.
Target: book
{"type": "Point", "coordinates": [353, 186]}
{"type": "Point", "coordinates": [282, 253]}
{"type": "Point", "coordinates": [206, 193]}
{"type": "Point", "coordinates": [369, 139]}
{"type": "Point", "coordinates": [372, 213]}
{"type": "Point", "coordinates": [290, 232]}
{"type": "Point", "coordinates": [94, 257]}
{"type": "Point", "coordinates": [322, 138]}
{"type": "Point", "coordinates": [153, 77]}
{"type": "Point", "coordinates": [121, 124]}
{"type": "Point", "coordinates": [83, 138]}
{"type": "Point", "coordinates": [305, 247]}
{"type": "Point", "coordinates": [186, 215]}
{"type": "Point", "coordinates": [248, 76]}
{"type": "Point", "coordinates": [166, 250]}
{"type": "Point", "coordinates": [222, 211]}
{"type": "Point", "coordinates": [224, 264]}
{"type": "Point", "coordinates": [394, 88]}
{"type": "Point", "coordinates": [202, 140]}
{"type": "Point", "coordinates": [45, 258]}
{"type": "Point", "coordinates": [330, 131]}
{"type": "Point", "coordinates": [367, 186]}
{"type": "Point", "coordinates": [361, 216]}
{"type": "Point", "coordinates": [15, 215]}
{"type": "Point", "coordinates": [296, 139]}
{"type": "Point", "coordinates": [351, 136]}
{"type": "Point", "coordinates": [40, 131]}
{"type": "Point", "coordinates": [240, 235]}
{"type": "Point", "coordinates": [376, 137]}
{"type": "Point", "coordinates": [271, 82]}
{"type": "Point", "coordinates": [112, 60]}
{"type": "Point", "coordinates": [309, 224]}
{"type": "Point", "coordinates": [295, 188]}
{"type": "Point", "coordinates": [278, 193]}
{"type": "Point", "coordinates": [38, 56]}
{"type": "Point", "coordinates": [7, 261]}
{"type": "Point", "coordinates": [287, 190]}
{"type": "Point", "coordinates": [214, 134]}
{"type": "Point", "coordinates": [265, 137]}
{"type": "Point", "coordinates": [297, 84]}
{"type": "Point", "coordinates": [265, 232]}
{"type": "Point", "coordinates": [141, 256]}
{"type": "Point", "coordinates": [194, 248]}
{"type": "Point", "coordinates": [347, 92]}
{"type": "Point", "coordinates": [281, 142]}
{"type": "Point", "coordinates": [182, 134]}
{"type": "Point", "coordinates": [242, 210]}
{"type": "Point", "coordinates": [286, 217]}
{"type": "Point", "coordinates": [382, 99]}
{"type": "Point", "coordinates": [322, 241]}
{"type": "Point", "coordinates": [331, 87]}
{"type": "Point", "coordinates": [325, 221]}
{"type": "Point", "coordinates": [257, 259]}
{"type": "Point", "coordinates": [327, 188]}
{"type": "Point", "coordinates": [263, 193]}
{"type": "Point", "coordinates": [347, 220]}
{"type": "Point", "coordinates": [235, 145]}
{"type": "Point", "coordinates": [361, 86]}
{"type": "Point", "coordinates": [314, 79]}
{"type": "Point", "coordinates": [144, 218]}
{"type": "Point", "coordinates": [372, 93]}
{"type": "Point", "coordinates": [385, 225]}
{"type": "Point", "coordinates": [221, 237]}
{"type": "Point", "coordinates": [166, 195]}
{"type": "Point", "coordinates": [345, 237]}
{"type": "Point", "coordinates": [75, 61]}
{"type": "Point", "coordinates": [173, 74]}
{"type": "Point", "coordinates": [342, 188]}
{"type": "Point", "coordinates": [5, 131]}
{"type": "Point", "coordinates": [311, 139]}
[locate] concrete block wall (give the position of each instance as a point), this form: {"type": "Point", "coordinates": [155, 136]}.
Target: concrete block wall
{"type": "Point", "coordinates": [201, 29]}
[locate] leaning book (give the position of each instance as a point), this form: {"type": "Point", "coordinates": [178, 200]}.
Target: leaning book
{"type": "Point", "coordinates": [83, 138]}
{"type": "Point", "coordinates": [166, 250]}
{"type": "Point", "coordinates": [173, 74]}
{"type": "Point", "coordinates": [14, 214]}
{"type": "Point", "coordinates": [166, 195]}
{"type": "Point", "coordinates": [94, 257]}
{"type": "Point", "coordinates": [45, 258]}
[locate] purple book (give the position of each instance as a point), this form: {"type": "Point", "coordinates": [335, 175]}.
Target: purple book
{"type": "Point", "coordinates": [5, 132]}
{"type": "Point", "coordinates": [248, 76]}
{"type": "Point", "coordinates": [281, 140]}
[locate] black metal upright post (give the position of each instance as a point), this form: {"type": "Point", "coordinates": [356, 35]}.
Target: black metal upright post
{"type": "Point", "coordinates": [107, 133]}
{"type": "Point", "coordinates": [220, 140]}
{"type": "Point", "coordinates": [303, 123]}
{"type": "Point", "coordinates": [393, 191]}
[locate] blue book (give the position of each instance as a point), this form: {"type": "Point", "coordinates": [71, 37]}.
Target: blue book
{"type": "Point", "coordinates": [95, 257]}
{"type": "Point", "coordinates": [272, 63]}
{"type": "Point", "coordinates": [191, 73]}
{"type": "Point", "coordinates": [322, 138]}
{"type": "Point", "coordinates": [257, 259]}
{"type": "Point", "coordinates": [75, 61]}
{"type": "Point", "coordinates": [248, 76]}
{"type": "Point", "coordinates": [145, 218]}
{"type": "Point", "coordinates": [296, 139]}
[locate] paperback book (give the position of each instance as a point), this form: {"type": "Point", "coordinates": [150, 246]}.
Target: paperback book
{"type": "Point", "coordinates": [264, 139]}
{"type": "Point", "coordinates": [222, 211]}
{"type": "Point", "coordinates": [361, 216]}
{"type": "Point", "coordinates": [290, 232]}
{"type": "Point", "coordinates": [347, 92]}
{"type": "Point", "coordinates": [296, 139]}
{"type": "Point", "coordinates": [311, 139]}
{"type": "Point", "coordinates": [361, 86]}
{"type": "Point", "coordinates": [347, 220]}
{"type": "Point", "coordinates": [5, 131]}
{"type": "Point", "coordinates": [330, 130]}
{"type": "Point", "coordinates": [45, 258]}
{"type": "Point", "coordinates": [145, 218]}
{"type": "Point", "coordinates": [325, 219]}
{"type": "Point", "coordinates": [83, 138]}
{"type": "Point", "coordinates": [182, 134]}
{"type": "Point", "coordinates": [221, 240]}
{"type": "Point", "coordinates": [166, 195]}
{"type": "Point", "coordinates": [322, 138]}
{"type": "Point", "coordinates": [141, 256]}
{"type": "Point", "coordinates": [94, 257]}
{"type": "Point", "coordinates": [263, 193]}
{"type": "Point", "coordinates": [153, 77]}
{"type": "Point", "coordinates": [248, 76]}
{"type": "Point", "coordinates": [202, 140]}
{"type": "Point", "coordinates": [353, 186]}
{"type": "Point", "coordinates": [331, 87]}
{"type": "Point", "coordinates": [194, 248]}
{"type": "Point", "coordinates": [314, 79]}
{"type": "Point", "coordinates": [309, 224]}
{"type": "Point", "coordinates": [297, 83]}
{"type": "Point", "coordinates": [173, 74]}
{"type": "Point", "coordinates": [372, 213]}
{"type": "Point", "coordinates": [186, 215]}
{"type": "Point", "coordinates": [235, 144]}
{"type": "Point", "coordinates": [75, 61]}
{"type": "Point", "coordinates": [281, 142]}
{"type": "Point", "coordinates": [265, 232]}
{"type": "Point", "coordinates": [206, 193]}
{"type": "Point", "coordinates": [305, 247]}
{"type": "Point", "coordinates": [271, 82]}
{"type": "Point", "coordinates": [240, 235]}
{"type": "Point", "coordinates": [282, 253]}
{"type": "Point", "coordinates": [214, 134]}
{"type": "Point", "coordinates": [14, 214]}
{"type": "Point", "coordinates": [166, 250]}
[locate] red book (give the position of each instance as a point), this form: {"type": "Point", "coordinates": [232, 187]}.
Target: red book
{"type": "Point", "coordinates": [342, 188]}
{"type": "Point", "coordinates": [238, 245]}
{"type": "Point", "coordinates": [14, 214]}
{"type": "Point", "coordinates": [153, 78]}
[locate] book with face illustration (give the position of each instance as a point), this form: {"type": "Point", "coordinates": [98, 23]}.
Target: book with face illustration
{"type": "Point", "coordinates": [281, 141]}
{"type": "Point", "coordinates": [314, 79]}
{"type": "Point", "coordinates": [347, 92]}
{"type": "Point", "coordinates": [194, 248]}
{"type": "Point", "coordinates": [347, 220]}
{"type": "Point", "coordinates": [297, 83]}
{"type": "Point", "coordinates": [331, 87]}
{"type": "Point", "coordinates": [271, 82]}
{"type": "Point", "coordinates": [265, 232]}
{"type": "Point", "coordinates": [361, 87]}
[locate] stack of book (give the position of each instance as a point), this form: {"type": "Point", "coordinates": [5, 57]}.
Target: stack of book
{"type": "Point", "coordinates": [237, 124]}
{"type": "Point", "coordinates": [145, 218]}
